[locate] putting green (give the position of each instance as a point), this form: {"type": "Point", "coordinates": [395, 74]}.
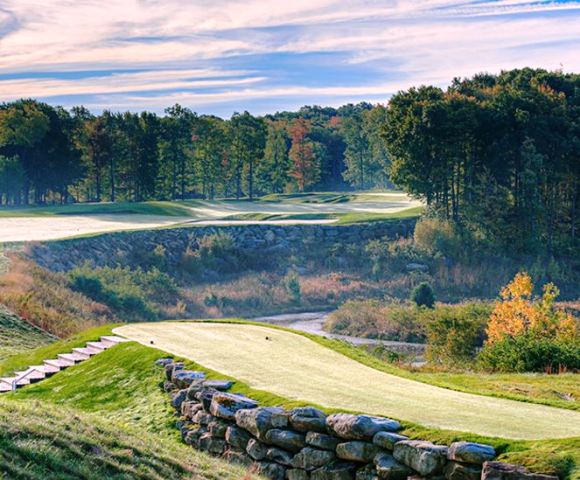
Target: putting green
{"type": "Point", "coordinates": [295, 367]}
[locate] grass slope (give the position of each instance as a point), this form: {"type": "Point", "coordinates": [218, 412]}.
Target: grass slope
{"type": "Point", "coordinates": [40, 441]}
{"type": "Point", "coordinates": [18, 336]}
{"type": "Point", "coordinates": [293, 366]}
{"type": "Point", "coordinates": [122, 385]}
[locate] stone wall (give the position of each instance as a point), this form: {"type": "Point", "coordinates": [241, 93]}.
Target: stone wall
{"type": "Point", "coordinates": [306, 444]}
{"type": "Point", "coordinates": [106, 249]}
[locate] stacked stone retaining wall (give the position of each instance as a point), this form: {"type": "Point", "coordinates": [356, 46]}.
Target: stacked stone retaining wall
{"type": "Point", "coordinates": [110, 248]}
{"type": "Point", "coordinates": [306, 444]}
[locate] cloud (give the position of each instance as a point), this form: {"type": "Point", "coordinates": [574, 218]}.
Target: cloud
{"type": "Point", "coordinates": [168, 46]}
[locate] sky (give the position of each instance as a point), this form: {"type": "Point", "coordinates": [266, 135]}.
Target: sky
{"type": "Point", "coordinates": [221, 56]}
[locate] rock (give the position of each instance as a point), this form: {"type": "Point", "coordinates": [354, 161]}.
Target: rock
{"type": "Point", "coordinates": [322, 440]}
{"type": "Point", "coordinates": [295, 474]}
{"type": "Point", "coordinates": [308, 419]}
{"type": "Point", "coordinates": [205, 396]}
{"type": "Point", "coordinates": [505, 471]}
{"type": "Point", "coordinates": [387, 440]}
{"type": "Point", "coordinates": [286, 439]}
{"type": "Point", "coordinates": [202, 418]}
{"type": "Point", "coordinates": [416, 267]}
{"type": "Point", "coordinates": [259, 420]}
{"type": "Point", "coordinates": [368, 472]}
{"type": "Point", "coordinates": [311, 458]}
{"type": "Point", "coordinates": [170, 368]}
{"type": "Point", "coordinates": [469, 452]}
{"type": "Point", "coordinates": [192, 435]}
{"type": "Point", "coordinates": [360, 427]}
{"type": "Point", "coordinates": [460, 471]}
{"type": "Point", "coordinates": [195, 387]}
{"type": "Point", "coordinates": [357, 451]}
{"type": "Point", "coordinates": [168, 386]}
{"type": "Point", "coordinates": [208, 443]}
{"type": "Point", "coordinates": [237, 437]}
{"type": "Point", "coordinates": [256, 450]}
{"type": "Point", "coordinates": [273, 471]}
{"type": "Point", "coordinates": [225, 405]}
{"type": "Point", "coordinates": [235, 456]}
{"type": "Point", "coordinates": [423, 457]}
{"type": "Point", "coordinates": [218, 428]}
{"type": "Point", "coordinates": [388, 468]}
{"type": "Point", "coordinates": [162, 362]}
{"type": "Point", "coordinates": [178, 398]}
{"type": "Point", "coordinates": [221, 385]}
{"type": "Point", "coordinates": [184, 378]}
{"type": "Point", "coordinates": [189, 409]}
{"type": "Point", "coordinates": [279, 456]}
{"type": "Point", "coordinates": [335, 471]}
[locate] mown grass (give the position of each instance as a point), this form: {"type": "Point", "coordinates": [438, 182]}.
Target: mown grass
{"type": "Point", "coordinates": [123, 386]}
{"type": "Point", "coordinates": [353, 218]}
{"type": "Point", "coordinates": [170, 209]}
{"type": "Point", "coordinates": [42, 441]}
{"type": "Point", "coordinates": [18, 336]}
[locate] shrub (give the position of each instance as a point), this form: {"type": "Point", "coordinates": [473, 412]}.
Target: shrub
{"type": "Point", "coordinates": [292, 286]}
{"type": "Point", "coordinates": [437, 236]}
{"type": "Point", "coordinates": [531, 352]}
{"type": "Point", "coordinates": [423, 296]}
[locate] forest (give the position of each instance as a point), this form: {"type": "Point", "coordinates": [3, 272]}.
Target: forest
{"type": "Point", "coordinates": [498, 155]}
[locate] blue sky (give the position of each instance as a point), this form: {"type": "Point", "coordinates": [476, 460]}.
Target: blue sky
{"type": "Point", "coordinates": [222, 56]}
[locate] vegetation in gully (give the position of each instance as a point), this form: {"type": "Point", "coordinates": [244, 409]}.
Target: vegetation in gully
{"type": "Point", "coordinates": [459, 245]}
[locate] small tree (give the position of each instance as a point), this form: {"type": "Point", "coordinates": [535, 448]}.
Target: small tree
{"type": "Point", "coordinates": [423, 296]}
{"type": "Point", "coordinates": [292, 285]}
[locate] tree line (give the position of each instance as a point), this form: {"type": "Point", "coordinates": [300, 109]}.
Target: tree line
{"type": "Point", "coordinates": [51, 155]}
{"type": "Point", "coordinates": [499, 155]}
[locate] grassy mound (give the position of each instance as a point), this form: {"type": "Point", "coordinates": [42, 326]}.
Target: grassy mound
{"type": "Point", "coordinates": [18, 336]}
{"type": "Point", "coordinates": [47, 442]}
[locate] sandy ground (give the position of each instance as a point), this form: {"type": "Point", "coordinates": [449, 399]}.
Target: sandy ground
{"type": "Point", "coordinates": [19, 229]}
{"type": "Point", "coordinates": [295, 367]}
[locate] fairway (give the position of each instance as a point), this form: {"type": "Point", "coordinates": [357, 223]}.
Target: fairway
{"type": "Point", "coordinates": [292, 366]}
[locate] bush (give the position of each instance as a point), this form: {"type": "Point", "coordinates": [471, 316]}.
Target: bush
{"type": "Point", "coordinates": [215, 253]}
{"type": "Point", "coordinates": [292, 286]}
{"type": "Point", "coordinates": [438, 237]}
{"type": "Point", "coordinates": [531, 353]}
{"type": "Point", "coordinates": [423, 296]}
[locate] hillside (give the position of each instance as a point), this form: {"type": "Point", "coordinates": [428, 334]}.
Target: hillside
{"type": "Point", "coordinates": [39, 441]}
{"type": "Point", "coordinates": [18, 336]}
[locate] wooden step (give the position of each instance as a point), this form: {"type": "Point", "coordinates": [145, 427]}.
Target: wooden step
{"type": "Point", "coordinates": [73, 357]}
{"type": "Point", "coordinates": [111, 340]}
{"type": "Point", "coordinates": [58, 363]}
{"type": "Point", "coordinates": [31, 374]}
{"type": "Point", "coordinates": [98, 345]}
{"type": "Point", "coordinates": [46, 368]}
{"type": "Point", "coordinates": [19, 383]}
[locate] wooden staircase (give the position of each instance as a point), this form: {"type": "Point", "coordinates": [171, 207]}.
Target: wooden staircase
{"type": "Point", "coordinates": [37, 373]}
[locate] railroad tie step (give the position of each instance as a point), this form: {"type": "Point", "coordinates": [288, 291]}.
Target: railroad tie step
{"type": "Point", "coordinates": [111, 340]}
{"type": "Point", "coordinates": [72, 357]}
{"type": "Point", "coordinates": [97, 345]}
{"type": "Point", "coordinates": [47, 368]}
{"type": "Point", "coordinates": [31, 374]}
{"type": "Point", "coordinates": [87, 351]}
{"type": "Point", "coordinates": [58, 363]}
{"type": "Point", "coordinates": [19, 383]}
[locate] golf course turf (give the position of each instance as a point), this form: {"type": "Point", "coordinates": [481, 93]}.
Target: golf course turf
{"type": "Point", "coordinates": [292, 366]}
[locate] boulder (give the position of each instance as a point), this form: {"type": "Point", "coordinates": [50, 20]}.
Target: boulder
{"type": "Point", "coordinates": [461, 471]}
{"type": "Point", "coordinates": [469, 452]}
{"type": "Point", "coordinates": [388, 468]}
{"type": "Point", "coordinates": [184, 378]}
{"type": "Point", "coordinates": [416, 267]}
{"type": "Point", "coordinates": [357, 451]}
{"type": "Point", "coordinates": [221, 385]}
{"type": "Point", "coordinates": [423, 457]}
{"type": "Point", "coordinates": [280, 456]}
{"type": "Point", "coordinates": [236, 456]}
{"type": "Point", "coordinates": [202, 418]}
{"type": "Point", "coordinates": [162, 362]}
{"type": "Point", "coordinates": [189, 408]}
{"type": "Point", "coordinates": [368, 472]}
{"type": "Point", "coordinates": [205, 396]}
{"type": "Point", "coordinates": [172, 367]}
{"type": "Point", "coordinates": [311, 458]}
{"type": "Point", "coordinates": [168, 386]}
{"type": "Point", "coordinates": [192, 435]}
{"type": "Point", "coordinates": [505, 471]}
{"type": "Point", "coordinates": [225, 405]}
{"type": "Point", "coordinates": [322, 440]}
{"type": "Point", "coordinates": [286, 439]}
{"type": "Point", "coordinates": [195, 387]}
{"type": "Point", "coordinates": [296, 474]}
{"type": "Point", "coordinates": [259, 420]}
{"type": "Point", "coordinates": [218, 427]}
{"type": "Point", "coordinates": [208, 443]}
{"type": "Point", "coordinates": [178, 398]}
{"type": "Point", "coordinates": [387, 440]}
{"type": "Point", "coordinates": [237, 437]}
{"type": "Point", "coordinates": [308, 419]}
{"type": "Point", "coordinates": [256, 450]}
{"type": "Point", "coordinates": [335, 471]}
{"type": "Point", "coordinates": [360, 427]}
{"type": "Point", "coordinates": [270, 470]}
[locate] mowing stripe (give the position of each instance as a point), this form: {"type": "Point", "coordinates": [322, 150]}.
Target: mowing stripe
{"type": "Point", "coordinates": [295, 367]}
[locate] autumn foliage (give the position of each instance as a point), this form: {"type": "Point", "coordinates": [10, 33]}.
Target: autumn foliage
{"type": "Point", "coordinates": [518, 313]}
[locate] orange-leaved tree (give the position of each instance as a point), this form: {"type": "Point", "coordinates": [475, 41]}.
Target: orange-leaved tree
{"type": "Point", "coordinates": [518, 312]}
